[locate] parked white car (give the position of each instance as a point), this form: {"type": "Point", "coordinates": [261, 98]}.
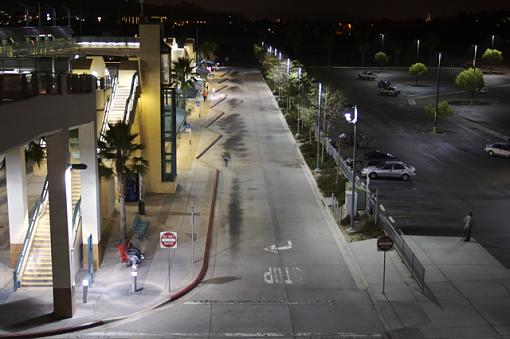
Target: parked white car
{"type": "Point", "coordinates": [367, 76]}
{"type": "Point", "coordinates": [498, 149]}
{"type": "Point", "coordinates": [389, 169]}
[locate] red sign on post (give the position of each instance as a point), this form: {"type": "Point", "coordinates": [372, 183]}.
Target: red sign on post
{"type": "Point", "coordinates": [168, 239]}
{"type": "Point", "coordinates": [384, 243]}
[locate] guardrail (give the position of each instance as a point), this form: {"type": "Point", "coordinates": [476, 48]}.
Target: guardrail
{"type": "Point", "coordinates": [104, 124]}
{"type": "Point", "coordinates": [23, 254]}
{"type": "Point", "coordinates": [404, 251]}
{"type": "Point", "coordinates": [134, 92]}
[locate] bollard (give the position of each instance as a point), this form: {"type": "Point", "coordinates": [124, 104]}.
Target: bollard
{"type": "Point", "coordinates": [134, 275]}
{"type": "Point", "coordinates": [85, 290]}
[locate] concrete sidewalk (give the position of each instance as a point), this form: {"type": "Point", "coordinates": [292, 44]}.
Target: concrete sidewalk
{"type": "Point", "coordinates": [467, 294]}
{"type": "Point", "coordinates": [111, 295]}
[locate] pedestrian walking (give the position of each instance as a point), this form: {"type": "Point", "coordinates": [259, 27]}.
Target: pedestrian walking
{"type": "Point", "coordinates": [226, 158]}
{"type": "Point", "coordinates": [468, 225]}
{"type": "Point", "coordinates": [205, 94]}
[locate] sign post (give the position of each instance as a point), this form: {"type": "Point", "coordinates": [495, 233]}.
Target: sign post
{"type": "Point", "coordinates": [168, 240]}
{"type": "Point", "coordinates": [384, 243]}
{"type": "Point", "coordinates": [192, 232]}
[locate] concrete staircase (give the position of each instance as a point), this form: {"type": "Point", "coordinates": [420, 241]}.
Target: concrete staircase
{"type": "Point", "coordinates": [121, 94]}
{"type": "Point", "coordinates": [37, 270]}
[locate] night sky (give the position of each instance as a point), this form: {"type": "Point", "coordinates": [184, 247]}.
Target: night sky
{"type": "Point", "coordinates": [395, 9]}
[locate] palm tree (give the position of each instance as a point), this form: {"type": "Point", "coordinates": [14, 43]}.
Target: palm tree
{"type": "Point", "coordinates": [208, 50]}
{"type": "Point", "coordinates": [183, 76]}
{"type": "Point", "coordinates": [119, 149]}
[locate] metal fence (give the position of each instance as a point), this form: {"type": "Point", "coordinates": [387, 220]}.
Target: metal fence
{"type": "Point", "coordinates": [404, 251]}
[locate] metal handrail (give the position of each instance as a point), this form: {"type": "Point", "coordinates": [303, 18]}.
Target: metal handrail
{"type": "Point", "coordinates": [104, 124]}
{"type": "Point", "coordinates": [76, 212]}
{"type": "Point", "coordinates": [76, 218]}
{"type": "Point", "coordinates": [130, 101]}
{"type": "Point", "coordinates": [36, 213]}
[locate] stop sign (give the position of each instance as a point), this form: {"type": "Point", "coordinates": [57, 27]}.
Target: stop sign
{"type": "Point", "coordinates": [384, 243]}
{"type": "Point", "coordinates": [168, 239]}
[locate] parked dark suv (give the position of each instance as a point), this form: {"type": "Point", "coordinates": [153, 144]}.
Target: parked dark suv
{"type": "Point", "coordinates": [383, 83]}
{"type": "Point", "coordinates": [374, 158]}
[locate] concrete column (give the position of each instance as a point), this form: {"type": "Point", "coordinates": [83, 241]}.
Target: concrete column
{"type": "Point", "coordinates": [90, 198]}
{"type": "Point", "coordinates": [15, 172]}
{"type": "Point", "coordinates": [60, 223]}
{"type": "Point", "coordinates": [150, 107]}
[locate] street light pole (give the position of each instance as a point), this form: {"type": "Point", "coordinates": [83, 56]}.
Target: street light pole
{"type": "Point", "coordinates": [382, 42]}
{"type": "Point", "coordinates": [492, 41]}
{"type": "Point", "coordinates": [417, 50]}
{"type": "Point", "coordinates": [353, 120]}
{"type": "Point", "coordinates": [317, 168]}
{"type": "Point", "coordinates": [474, 56]}
{"type": "Point", "coordinates": [299, 106]}
{"type": "Point", "coordinates": [434, 130]}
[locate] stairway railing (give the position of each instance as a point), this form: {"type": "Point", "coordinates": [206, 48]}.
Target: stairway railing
{"type": "Point", "coordinates": [134, 93]}
{"type": "Point", "coordinates": [23, 254]}
{"type": "Point", "coordinates": [108, 107]}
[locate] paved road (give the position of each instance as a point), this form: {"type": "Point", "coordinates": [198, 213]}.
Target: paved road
{"type": "Point", "coordinates": [277, 269]}
{"type": "Point", "coordinates": [454, 175]}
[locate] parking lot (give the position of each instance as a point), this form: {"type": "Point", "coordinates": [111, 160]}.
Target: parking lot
{"type": "Point", "coordinates": [454, 174]}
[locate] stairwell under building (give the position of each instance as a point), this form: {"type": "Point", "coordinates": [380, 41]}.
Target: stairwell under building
{"type": "Point", "coordinates": [37, 270]}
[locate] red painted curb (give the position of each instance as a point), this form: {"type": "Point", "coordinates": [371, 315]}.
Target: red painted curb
{"type": "Point", "coordinates": [205, 264]}
{"type": "Point", "coordinates": [208, 147]}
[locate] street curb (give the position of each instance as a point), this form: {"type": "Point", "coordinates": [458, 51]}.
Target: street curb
{"type": "Point", "coordinates": [209, 147]}
{"type": "Point", "coordinates": [221, 88]}
{"type": "Point", "coordinates": [219, 101]}
{"type": "Point", "coordinates": [214, 120]}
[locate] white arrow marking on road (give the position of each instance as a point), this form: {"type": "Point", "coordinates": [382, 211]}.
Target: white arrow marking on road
{"type": "Point", "coordinates": [274, 249]}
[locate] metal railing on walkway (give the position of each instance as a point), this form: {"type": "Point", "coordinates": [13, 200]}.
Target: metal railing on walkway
{"type": "Point", "coordinates": [134, 93]}
{"type": "Point", "coordinates": [37, 212]}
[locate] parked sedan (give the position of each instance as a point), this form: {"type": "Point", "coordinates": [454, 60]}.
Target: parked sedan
{"type": "Point", "coordinates": [390, 91]}
{"type": "Point", "coordinates": [389, 169]}
{"type": "Point", "coordinates": [499, 149]}
{"type": "Point", "coordinates": [367, 76]}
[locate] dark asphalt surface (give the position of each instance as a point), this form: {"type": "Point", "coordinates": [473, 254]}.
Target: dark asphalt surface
{"type": "Point", "coordinates": [454, 174]}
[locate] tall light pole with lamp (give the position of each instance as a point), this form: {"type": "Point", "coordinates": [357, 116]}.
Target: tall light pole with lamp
{"type": "Point", "coordinates": [417, 50]}
{"type": "Point", "coordinates": [317, 168]}
{"type": "Point", "coordinates": [382, 42]}
{"type": "Point", "coordinates": [492, 41]}
{"type": "Point", "coordinates": [474, 57]}
{"type": "Point", "coordinates": [300, 70]}
{"type": "Point", "coordinates": [434, 129]}
{"type": "Point", "coordinates": [352, 118]}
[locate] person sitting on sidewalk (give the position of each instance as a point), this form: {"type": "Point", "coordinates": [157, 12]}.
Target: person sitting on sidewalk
{"type": "Point", "coordinates": [129, 254]}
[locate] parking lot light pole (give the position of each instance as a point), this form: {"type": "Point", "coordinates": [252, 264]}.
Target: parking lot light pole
{"type": "Point", "coordinates": [434, 129]}
{"type": "Point", "coordinates": [353, 118]}
{"type": "Point", "coordinates": [382, 42]}
{"type": "Point", "coordinates": [492, 41]}
{"type": "Point", "coordinates": [317, 168]}
{"type": "Point", "coordinates": [474, 57]}
{"type": "Point", "coordinates": [299, 106]}
{"type": "Point", "coordinates": [417, 50]}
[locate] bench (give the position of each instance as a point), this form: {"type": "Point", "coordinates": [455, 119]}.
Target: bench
{"type": "Point", "coordinates": [139, 227]}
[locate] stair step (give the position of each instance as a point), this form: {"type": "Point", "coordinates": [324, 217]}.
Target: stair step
{"type": "Point", "coordinates": [34, 284]}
